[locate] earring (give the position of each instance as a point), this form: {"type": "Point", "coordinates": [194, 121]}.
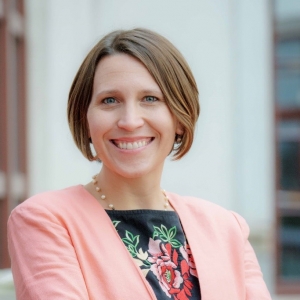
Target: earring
{"type": "Point", "coordinates": [178, 139]}
{"type": "Point", "coordinates": [90, 140]}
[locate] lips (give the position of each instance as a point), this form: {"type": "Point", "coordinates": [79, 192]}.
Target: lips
{"type": "Point", "coordinates": [130, 145]}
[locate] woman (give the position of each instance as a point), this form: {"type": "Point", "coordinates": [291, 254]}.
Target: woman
{"type": "Point", "coordinates": [135, 100]}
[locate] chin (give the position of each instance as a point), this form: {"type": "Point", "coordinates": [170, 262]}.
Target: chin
{"type": "Point", "coordinates": [137, 170]}
{"type": "Point", "coordinates": [133, 173]}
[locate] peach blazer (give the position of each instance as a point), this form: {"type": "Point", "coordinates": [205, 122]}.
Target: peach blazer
{"type": "Point", "coordinates": [63, 245]}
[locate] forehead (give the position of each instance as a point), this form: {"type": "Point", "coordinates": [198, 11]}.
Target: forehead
{"type": "Point", "coordinates": [122, 69]}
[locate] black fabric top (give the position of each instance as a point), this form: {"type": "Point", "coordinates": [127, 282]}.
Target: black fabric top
{"type": "Point", "coordinates": [157, 243]}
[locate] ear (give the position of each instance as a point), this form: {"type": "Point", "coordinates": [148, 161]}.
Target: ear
{"type": "Point", "coordinates": [179, 129]}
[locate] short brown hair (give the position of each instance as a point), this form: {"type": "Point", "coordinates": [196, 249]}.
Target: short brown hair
{"type": "Point", "coordinates": [163, 61]}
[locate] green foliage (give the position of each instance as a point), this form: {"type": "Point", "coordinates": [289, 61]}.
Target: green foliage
{"type": "Point", "coordinates": [131, 242]}
{"type": "Point", "coordinates": [166, 235]}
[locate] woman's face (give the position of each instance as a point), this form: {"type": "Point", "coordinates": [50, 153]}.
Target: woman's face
{"type": "Point", "coordinates": [130, 124]}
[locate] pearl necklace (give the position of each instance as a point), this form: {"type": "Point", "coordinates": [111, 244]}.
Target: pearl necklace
{"type": "Point", "coordinates": [111, 206]}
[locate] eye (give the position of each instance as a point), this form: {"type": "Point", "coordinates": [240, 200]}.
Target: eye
{"type": "Point", "coordinates": [150, 99]}
{"type": "Point", "coordinates": [109, 100]}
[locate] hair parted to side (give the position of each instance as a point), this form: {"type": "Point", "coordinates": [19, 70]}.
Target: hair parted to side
{"type": "Point", "coordinates": [163, 61]}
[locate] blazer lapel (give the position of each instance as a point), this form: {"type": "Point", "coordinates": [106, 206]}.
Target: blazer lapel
{"type": "Point", "coordinates": [206, 246]}
{"type": "Point", "coordinates": [107, 238]}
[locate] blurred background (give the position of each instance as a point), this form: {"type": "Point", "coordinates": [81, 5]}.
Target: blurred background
{"type": "Point", "coordinates": [245, 56]}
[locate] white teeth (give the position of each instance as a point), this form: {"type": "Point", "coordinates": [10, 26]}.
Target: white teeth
{"type": "Point", "coordinates": [130, 146]}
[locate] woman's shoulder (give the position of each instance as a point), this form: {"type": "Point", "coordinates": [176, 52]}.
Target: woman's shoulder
{"type": "Point", "coordinates": [196, 203]}
{"type": "Point", "coordinates": [53, 200]}
{"type": "Point", "coordinates": [207, 211]}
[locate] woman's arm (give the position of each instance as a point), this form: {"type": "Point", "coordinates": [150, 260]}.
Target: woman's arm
{"type": "Point", "coordinates": [255, 285]}
{"type": "Point", "coordinates": [43, 260]}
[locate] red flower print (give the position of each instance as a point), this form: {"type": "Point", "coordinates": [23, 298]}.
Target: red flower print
{"type": "Point", "coordinates": [187, 254]}
{"type": "Point", "coordinates": [165, 267]}
{"type": "Point", "coordinates": [187, 285]}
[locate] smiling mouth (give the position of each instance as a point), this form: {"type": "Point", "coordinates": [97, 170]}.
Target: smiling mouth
{"type": "Point", "coordinates": [132, 145]}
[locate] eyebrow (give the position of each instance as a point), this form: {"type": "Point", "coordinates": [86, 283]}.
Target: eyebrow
{"type": "Point", "coordinates": [114, 91]}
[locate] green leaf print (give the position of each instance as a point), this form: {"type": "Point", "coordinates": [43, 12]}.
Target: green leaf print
{"type": "Point", "coordinates": [155, 233]}
{"type": "Point", "coordinates": [137, 240]}
{"type": "Point", "coordinates": [131, 241]}
{"type": "Point", "coordinates": [129, 236]}
{"type": "Point", "coordinates": [164, 238]}
{"type": "Point", "coordinates": [116, 223]}
{"type": "Point", "coordinates": [126, 241]}
{"type": "Point", "coordinates": [167, 236]}
{"type": "Point", "coordinates": [172, 232]}
{"type": "Point", "coordinates": [132, 250]}
{"type": "Point", "coordinates": [164, 230]}
{"type": "Point", "coordinates": [175, 243]}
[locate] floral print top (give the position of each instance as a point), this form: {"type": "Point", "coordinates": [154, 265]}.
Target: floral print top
{"type": "Point", "coordinates": [157, 243]}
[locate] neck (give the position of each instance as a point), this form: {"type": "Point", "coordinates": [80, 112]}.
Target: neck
{"type": "Point", "coordinates": [129, 193]}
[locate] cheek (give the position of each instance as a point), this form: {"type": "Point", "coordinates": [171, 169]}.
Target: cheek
{"type": "Point", "coordinates": [95, 121]}
{"type": "Point", "coordinates": [168, 129]}
{"type": "Point", "coordinates": [91, 124]}
{"type": "Point", "coordinates": [169, 122]}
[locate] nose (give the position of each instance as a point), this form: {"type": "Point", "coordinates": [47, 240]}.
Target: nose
{"type": "Point", "coordinates": [131, 117]}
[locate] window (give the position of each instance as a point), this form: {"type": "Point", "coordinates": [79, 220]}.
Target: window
{"type": "Point", "coordinates": [12, 115]}
{"type": "Point", "coordinates": [287, 83]}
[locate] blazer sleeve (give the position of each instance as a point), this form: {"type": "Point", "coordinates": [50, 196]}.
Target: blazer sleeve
{"type": "Point", "coordinates": [43, 260]}
{"type": "Point", "coordinates": [255, 285]}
